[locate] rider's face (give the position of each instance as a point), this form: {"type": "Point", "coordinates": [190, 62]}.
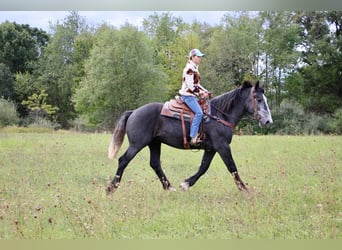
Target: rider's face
{"type": "Point", "coordinates": [197, 59]}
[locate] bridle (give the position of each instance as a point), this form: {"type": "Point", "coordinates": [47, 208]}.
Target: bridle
{"type": "Point", "coordinates": [256, 114]}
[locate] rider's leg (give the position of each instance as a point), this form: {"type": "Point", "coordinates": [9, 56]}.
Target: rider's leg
{"type": "Point", "coordinates": [192, 103]}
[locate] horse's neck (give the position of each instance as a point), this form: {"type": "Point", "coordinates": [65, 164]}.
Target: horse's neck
{"type": "Point", "coordinates": [227, 109]}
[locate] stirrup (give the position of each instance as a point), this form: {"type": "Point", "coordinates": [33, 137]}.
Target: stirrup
{"type": "Point", "coordinates": [196, 140]}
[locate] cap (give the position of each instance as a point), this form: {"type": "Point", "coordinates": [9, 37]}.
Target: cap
{"type": "Point", "coordinates": [195, 52]}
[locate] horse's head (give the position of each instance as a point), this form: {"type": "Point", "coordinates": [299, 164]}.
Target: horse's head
{"type": "Point", "coordinates": [257, 105]}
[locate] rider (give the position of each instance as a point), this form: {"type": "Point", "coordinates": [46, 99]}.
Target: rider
{"type": "Point", "coordinates": [191, 90]}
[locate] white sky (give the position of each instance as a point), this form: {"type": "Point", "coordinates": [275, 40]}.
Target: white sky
{"type": "Point", "coordinates": [41, 19]}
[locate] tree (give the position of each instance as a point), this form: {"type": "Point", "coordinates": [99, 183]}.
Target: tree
{"type": "Point", "coordinates": [120, 75]}
{"type": "Point", "coordinates": [321, 56]}
{"type": "Point", "coordinates": [6, 82]}
{"type": "Point", "coordinates": [168, 36]}
{"type": "Point", "coordinates": [24, 86]}
{"type": "Point", "coordinates": [20, 46]}
{"type": "Point", "coordinates": [61, 67]}
{"type": "Point", "coordinates": [233, 51]}
{"type": "Point", "coordinates": [38, 106]}
{"type": "Point", "coordinates": [281, 57]}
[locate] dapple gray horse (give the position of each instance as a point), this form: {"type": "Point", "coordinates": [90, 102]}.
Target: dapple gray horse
{"type": "Point", "coordinates": [146, 127]}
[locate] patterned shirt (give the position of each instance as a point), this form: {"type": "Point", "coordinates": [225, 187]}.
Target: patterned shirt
{"type": "Point", "coordinates": [191, 80]}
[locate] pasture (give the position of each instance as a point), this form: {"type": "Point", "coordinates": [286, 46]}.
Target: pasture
{"type": "Point", "coordinates": [52, 186]}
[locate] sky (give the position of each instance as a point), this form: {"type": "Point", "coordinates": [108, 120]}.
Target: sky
{"type": "Point", "coordinates": [42, 19]}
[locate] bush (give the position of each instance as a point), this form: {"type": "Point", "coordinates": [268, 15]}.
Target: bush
{"type": "Point", "coordinates": [81, 124]}
{"type": "Point", "coordinates": [334, 123]}
{"type": "Point", "coordinates": [289, 119]}
{"type": "Point", "coordinates": [8, 114]}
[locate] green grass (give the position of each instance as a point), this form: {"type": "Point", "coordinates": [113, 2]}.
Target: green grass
{"type": "Point", "coordinates": [52, 186]}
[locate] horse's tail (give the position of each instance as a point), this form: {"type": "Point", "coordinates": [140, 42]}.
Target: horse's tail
{"type": "Point", "coordinates": [118, 135]}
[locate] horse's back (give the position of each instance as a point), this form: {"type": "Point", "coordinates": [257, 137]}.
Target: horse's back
{"type": "Point", "coordinates": [147, 111]}
{"type": "Point", "coordinates": [147, 124]}
{"type": "Point", "coordinates": [143, 119]}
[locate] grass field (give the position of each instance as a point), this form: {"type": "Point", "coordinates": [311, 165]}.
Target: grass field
{"type": "Point", "coordinates": [52, 186]}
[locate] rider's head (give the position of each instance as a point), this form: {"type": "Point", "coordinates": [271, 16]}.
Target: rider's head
{"type": "Point", "coordinates": [195, 52]}
{"type": "Point", "coordinates": [196, 56]}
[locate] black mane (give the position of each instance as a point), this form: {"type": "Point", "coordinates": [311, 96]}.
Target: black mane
{"type": "Point", "coordinates": [225, 102]}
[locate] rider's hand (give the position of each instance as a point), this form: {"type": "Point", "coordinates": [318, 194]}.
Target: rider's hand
{"type": "Point", "coordinates": [204, 95]}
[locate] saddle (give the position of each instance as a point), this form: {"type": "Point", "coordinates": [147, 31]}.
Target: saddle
{"type": "Point", "coordinates": [176, 108]}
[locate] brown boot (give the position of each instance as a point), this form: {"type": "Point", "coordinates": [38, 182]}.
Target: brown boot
{"type": "Point", "coordinates": [196, 140]}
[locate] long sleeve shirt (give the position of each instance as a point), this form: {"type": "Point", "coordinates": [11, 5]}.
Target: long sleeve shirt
{"type": "Point", "coordinates": [191, 80]}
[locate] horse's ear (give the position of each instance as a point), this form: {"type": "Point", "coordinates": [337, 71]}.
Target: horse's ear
{"type": "Point", "coordinates": [257, 85]}
{"type": "Point", "coordinates": [246, 84]}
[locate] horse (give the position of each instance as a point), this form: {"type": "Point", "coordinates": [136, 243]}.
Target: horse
{"type": "Point", "coordinates": [145, 126]}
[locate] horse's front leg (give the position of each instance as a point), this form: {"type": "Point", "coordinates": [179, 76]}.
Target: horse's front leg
{"type": "Point", "coordinates": [227, 158]}
{"type": "Point", "coordinates": [206, 160]}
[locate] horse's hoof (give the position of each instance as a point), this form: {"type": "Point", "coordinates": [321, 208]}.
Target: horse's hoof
{"type": "Point", "coordinates": [110, 189]}
{"type": "Point", "coordinates": [241, 186]}
{"type": "Point", "coordinates": [184, 186]}
{"type": "Point", "coordinates": [172, 189]}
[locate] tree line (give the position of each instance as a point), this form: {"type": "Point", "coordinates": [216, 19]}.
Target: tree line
{"type": "Point", "coordinates": [84, 76]}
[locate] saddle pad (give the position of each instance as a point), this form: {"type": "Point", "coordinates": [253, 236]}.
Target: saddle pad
{"type": "Point", "coordinates": [173, 109]}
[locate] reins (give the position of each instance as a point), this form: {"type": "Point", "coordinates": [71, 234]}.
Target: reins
{"type": "Point", "coordinates": [218, 119]}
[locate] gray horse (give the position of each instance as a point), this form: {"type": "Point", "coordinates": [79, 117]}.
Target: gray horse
{"type": "Point", "coordinates": [146, 127]}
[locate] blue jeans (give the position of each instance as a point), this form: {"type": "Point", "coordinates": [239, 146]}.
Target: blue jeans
{"type": "Point", "coordinates": [192, 103]}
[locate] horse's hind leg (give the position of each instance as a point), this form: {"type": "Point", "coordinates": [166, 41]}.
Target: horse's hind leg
{"type": "Point", "coordinates": [155, 148]}
{"type": "Point", "coordinates": [123, 162]}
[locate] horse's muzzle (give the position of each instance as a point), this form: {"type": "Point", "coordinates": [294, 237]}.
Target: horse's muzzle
{"type": "Point", "coordinates": [265, 123]}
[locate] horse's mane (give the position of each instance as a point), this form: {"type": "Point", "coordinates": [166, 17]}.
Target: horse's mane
{"type": "Point", "coordinates": [226, 101]}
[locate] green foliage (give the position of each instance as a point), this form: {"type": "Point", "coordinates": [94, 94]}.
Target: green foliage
{"type": "Point", "coordinates": [290, 118]}
{"type": "Point", "coordinates": [293, 120]}
{"type": "Point", "coordinates": [8, 113]}
{"type": "Point", "coordinates": [294, 88]}
{"type": "Point", "coordinates": [321, 56]}
{"type": "Point", "coordinates": [171, 40]}
{"type": "Point", "coordinates": [322, 85]}
{"type": "Point", "coordinates": [20, 46]}
{"type": "Point", "coordinates": [119, 77]}
{"type": "Point", "coordinates": [42, 114]}
{"type": "Point", "coordinates": [279, 48]}
{"type": "Point", "coordinates": [24, 86]}
{"type": "Point", "coordinates": [37, 104]}
{"type": "Point", "coordinates": [333, 124]}
{"type": "Point", "coordinates": [232, 52]}
{"type": "Point", "coordinates": [62, 66]}
{"type": "Point", "coordinates": [103, 70]}
{"type": "Point", "coordinates": [6, 82]}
